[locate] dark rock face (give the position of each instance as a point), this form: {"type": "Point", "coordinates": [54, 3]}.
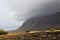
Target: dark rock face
{"type": "Point", "coordinates": [39, 23]}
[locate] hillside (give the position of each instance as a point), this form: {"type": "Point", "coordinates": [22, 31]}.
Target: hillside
{"type": "Point", "coordinates": [45, 22]}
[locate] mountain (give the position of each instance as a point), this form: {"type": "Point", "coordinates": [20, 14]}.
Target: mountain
{"type": "Point", "coordinates": [39, 23]}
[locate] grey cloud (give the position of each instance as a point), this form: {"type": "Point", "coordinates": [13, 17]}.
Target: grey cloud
{"type": "Point", "coordinates": [38, 9]}
{"type": "Point", "coordinates": [29, 8]}
{"type": "Point", "coordinates": [24, 9]}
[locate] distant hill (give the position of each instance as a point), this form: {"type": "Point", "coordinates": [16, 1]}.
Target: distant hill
{"type": "Point", "coordinates": [39, 23]}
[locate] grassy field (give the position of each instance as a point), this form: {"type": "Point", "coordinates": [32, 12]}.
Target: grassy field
{"type": "Point", "coordinates": [33, 35]}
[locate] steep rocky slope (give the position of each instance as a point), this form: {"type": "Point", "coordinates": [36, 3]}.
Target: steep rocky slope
{"type": "Point", "coordinates": [45, 22]}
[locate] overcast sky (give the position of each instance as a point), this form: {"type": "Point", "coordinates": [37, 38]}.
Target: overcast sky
{"type": "Point", "coordinates": [13, 13]}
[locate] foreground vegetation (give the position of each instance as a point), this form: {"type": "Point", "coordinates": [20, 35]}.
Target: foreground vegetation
{"type": "Point", "coordinates": [3, 32]}
{"type": "Point", "coordinates": [33, 35]}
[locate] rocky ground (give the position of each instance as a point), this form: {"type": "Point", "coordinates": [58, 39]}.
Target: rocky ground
{"type": "Point", "coordinates": [33, 35]}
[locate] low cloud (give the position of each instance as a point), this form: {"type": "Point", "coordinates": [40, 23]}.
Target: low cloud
{"type": "Point", "coordinates": [29, 8]}
{"type": "Point", "coordinates": [35, 8]}
{"type": "Point", "coordinates": [17, 11]}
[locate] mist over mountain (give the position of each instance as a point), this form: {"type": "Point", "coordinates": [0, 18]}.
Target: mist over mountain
{"type": "Point", "coordinates": [39, 23]}
{"type": "Point", "coordinates": [40, 15]}
{"type": "Point", "coordinates": [33, 8]}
